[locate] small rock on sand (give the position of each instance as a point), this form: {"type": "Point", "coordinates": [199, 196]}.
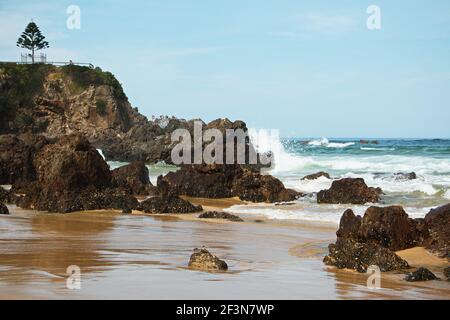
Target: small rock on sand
{"type": "Point", "coordinates": [421, 274]}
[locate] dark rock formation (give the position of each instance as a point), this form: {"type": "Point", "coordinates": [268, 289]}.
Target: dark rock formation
{"type": "Point", "coordinates": [349, 190]}
{"type": "Point", "coordinates": [134, 177]}
{"type": "Point", "coordinates": [349, 225]}
{"type": "Point", "coordinates": [220, 215]}
{"type": "Point", "coordinates": [447, 273]}
{"type": "Point", "coordinates": [71, 176]}
{"type": "Point", "coordinates": [3, 209]}
{"type": "Point", "coordinates": [368, 142]}
{"type": "Point", "coordinates": [202, 259]}
{"type": "Point", "coordinates": [71, 164]}
{"type": "Point", "coordinates": [166, 201]}
{"type": "Point", "coordinates": [405, 176]}
{"type": "Point", "coordinates": [389, 227]}
{"type": "Point", "coordinates": [372, 240]}
{"type": "Point", "coordinates": [317, 175]}
{"type": "Point", "coordinates": [421, 274]}
{"type": "Point", "coordinates": [16, 157]}
{"type": "Point", "coordinates": [350, 254]}
{"type": "Point", "coordinates": [252, 186]}
{"type": "Point", "coordinates": [437, 222]}
{"type": "Point", "coordinates": [158, 204]}
{"type": "Point", "coordinates": [6, 196]}
{"type": "Point", "coordinates": [224, 181]}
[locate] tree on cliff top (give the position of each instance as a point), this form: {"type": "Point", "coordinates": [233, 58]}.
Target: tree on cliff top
{"type": "Point", "coordinates": [32, 39]}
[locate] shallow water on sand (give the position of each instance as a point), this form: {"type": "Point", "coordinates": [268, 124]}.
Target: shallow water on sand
{"type": "Point", "coordinates": [145, 257]}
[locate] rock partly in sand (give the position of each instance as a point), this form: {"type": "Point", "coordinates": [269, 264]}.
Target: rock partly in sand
{"type": "Point", "coordinates": [202, 259]}
{"type": "Point", "coordinates": [437, 222]}
{"type": "Point", "coordinates": [317, 175]}
{"type": "Point", "coordinates": [166, 201]}
{"type": "Point", "coordinates": [350, 254]}
{"type": "Point", "coordinates": [158, 204]}
{"type": "Point", "coordinates": [421, 274]}
{"type": "Point", "coordinates": [225, 181]}
{"type": "Point", "coordinates": [372, 240]}
{"type": "Point", "coordinates": [71, 176]}
{"type": "Point", "coordinates": [220, 215]}
{"type": "Point", "coordinates": [135, 177]}
{"type": "Point", "coordinates": [349, 191]}
{"type": "Point", "coordinates": [3, 209]}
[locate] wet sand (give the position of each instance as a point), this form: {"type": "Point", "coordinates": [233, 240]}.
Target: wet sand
{"type": "Point", "coordinates": [145, 257]}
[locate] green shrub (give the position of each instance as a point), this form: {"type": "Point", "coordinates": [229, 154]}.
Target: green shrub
{"type": "Point", "coordinates": [23, 120]}
{"type": "Point", "coordinates": [100, 106]}
{"type": "Point", "coordinates": [83, 77]}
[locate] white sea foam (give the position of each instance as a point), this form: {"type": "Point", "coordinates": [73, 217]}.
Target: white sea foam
{"type": "Point", "coordinates": [308, 186]}
{"type": "Point", "coordinates": [101, 153]}
{"type": "Point", "coordinates": [324, 142]}
{"type": "Point", "coordinates": [310, 212]}
{"type": "Point", "coordinates": [447, 194]}
{"type": "Point", "coordinates": [377, 149]}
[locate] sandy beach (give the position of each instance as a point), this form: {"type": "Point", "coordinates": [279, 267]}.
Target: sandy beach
{"type": "Point", "coordinates": [145, 257]}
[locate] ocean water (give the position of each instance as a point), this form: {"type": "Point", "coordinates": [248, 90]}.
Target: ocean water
{"type": "Point", "coordinates": [375, 163]}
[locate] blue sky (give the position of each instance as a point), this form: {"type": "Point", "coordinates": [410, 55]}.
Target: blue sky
{"type": "Point", "coordinates": [308, 68]}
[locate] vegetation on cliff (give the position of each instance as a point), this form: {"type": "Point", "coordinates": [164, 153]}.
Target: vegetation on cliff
{"type": "Point", "coordinates": [22, 84]}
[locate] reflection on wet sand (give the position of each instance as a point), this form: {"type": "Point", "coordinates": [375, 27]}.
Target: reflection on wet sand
{"type": "Point", "coordinates": [141, 256]}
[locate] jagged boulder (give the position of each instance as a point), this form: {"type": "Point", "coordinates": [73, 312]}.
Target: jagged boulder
{"type": "Point", "coordinates": [349, 225]}
{"type": "Point", "coordinates": [202, 259]}
{"type": "Point", "coordinates": [437, 222]}
{"type": "Point", "coordinates": [372, 240]}
{"type": "Point", "coordinates": [349, 190]}
{"type": "Point", "coordinates": [421, 274]}
{"type": "Point", "coordinates": [3, 209]}
{"type": "Point", "coordinates": [317, 175]}
{"type": "Point", "coordinates": [224, 181]}
{"type": "Point", "coordinates": [204, 181]}
{"type": "Point", "coordinates": [71, 176]}
{"type": "Point", "coordinates": [16, 157]}
{"type": "Point", "coordinates": [389, 227]}
{"type": "Point", "coordinates": [71, 164]}
{"type": "Point", "coordinates": [254, 187]}
{"type": "Point", "coordinates": [134, 177]}
{"type": "Point", "coordinates": [220, 215]}
{"type": "Point", "coordinates": [350, 254]}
